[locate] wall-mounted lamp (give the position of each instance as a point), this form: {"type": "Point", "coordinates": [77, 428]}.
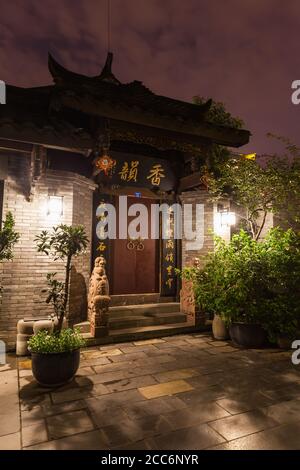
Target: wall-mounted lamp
{"type": "Point", "coordinates": [227, 218]}
{"type": "Point", "coordinates": [55, 206]}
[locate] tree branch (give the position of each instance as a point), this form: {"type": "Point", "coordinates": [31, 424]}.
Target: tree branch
{"type": "Point", "coordinates": [261, 225]}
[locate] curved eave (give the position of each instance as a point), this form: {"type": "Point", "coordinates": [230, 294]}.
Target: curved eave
{"type": "Point", "coordinates": [217, 134]}
{"type": "Point", "coordinates": [60, 73]}
{"type": "Point", "coordinates": [106, 82]}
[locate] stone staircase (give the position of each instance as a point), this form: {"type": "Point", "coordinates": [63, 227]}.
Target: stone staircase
{"type": "Point", "coordinates": [131, 322]}
{"type": "Point", "coordinates": [138, 299]}
{"type": "Point", "coordinates": [136, 316]}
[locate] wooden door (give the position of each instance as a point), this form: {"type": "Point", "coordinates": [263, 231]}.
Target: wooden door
{"type": "Point", "coordinates": [135, 266]}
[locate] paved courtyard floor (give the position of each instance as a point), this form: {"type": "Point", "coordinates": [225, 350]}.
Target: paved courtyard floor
{"type": "Point", "coordinates": [178, 392]}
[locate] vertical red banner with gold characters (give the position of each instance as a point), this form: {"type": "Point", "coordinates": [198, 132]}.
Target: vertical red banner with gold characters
{"type": "Point", "coordinates": [100, 247]}
{"type": "Point", "coordinates": [168, 260]}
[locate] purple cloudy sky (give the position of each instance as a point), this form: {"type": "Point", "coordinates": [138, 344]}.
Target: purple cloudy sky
{"type": "Point", "coordinates": [244, 53]}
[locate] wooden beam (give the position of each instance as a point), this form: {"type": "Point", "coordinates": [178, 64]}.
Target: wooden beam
{"type": "Point", "coordinates": [15, 146]}
{"type": "Point", "coordinates": [190, 181]}
{"type": "Point", "coordinates": [21, 141]}
{"type": "Point", "coordinates": [217, 134]}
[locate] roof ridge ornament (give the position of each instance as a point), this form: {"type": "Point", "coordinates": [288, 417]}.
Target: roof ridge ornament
{"type": "Point", "coordinates": [106, 73]}
{"type": "Point", "coordinates": [61, 74]}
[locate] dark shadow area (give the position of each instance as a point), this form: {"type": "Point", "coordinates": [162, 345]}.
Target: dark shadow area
{"type": "Point", "coordinates": [32, 394]}
{"type": "Point", "coordinates": [78, 297]}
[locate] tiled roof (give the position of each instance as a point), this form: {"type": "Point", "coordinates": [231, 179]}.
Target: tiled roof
{"type": "Point", "coordinates": [106, 86]}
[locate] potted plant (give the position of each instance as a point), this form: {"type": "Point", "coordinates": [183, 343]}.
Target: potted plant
{"type": "Point", "coordinates": [232, 288]}
{"type": "Point", "coordinates": [56, 354]}
{"type": "Point", "coordinates": [246, 289]}
{"type": "Point", "coordinates": [263, 296]}
{"type": "Point", "coordinates": [208, 290]}
{"type": "Point", "coordinates": [283, 323]}
{"type": "Point", "coordinates": [258, 294]}
{"type": "Point", "coordinates": [283, 319]}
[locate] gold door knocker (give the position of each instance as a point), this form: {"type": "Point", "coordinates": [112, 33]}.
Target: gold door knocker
{"type": "Point", "coordinates": [135, 244]}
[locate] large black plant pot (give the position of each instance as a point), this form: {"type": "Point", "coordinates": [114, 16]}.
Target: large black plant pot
{"type": "Point", "coordinates": [247, 335]}
{"type": "Point", "coordinates": [55, 369]}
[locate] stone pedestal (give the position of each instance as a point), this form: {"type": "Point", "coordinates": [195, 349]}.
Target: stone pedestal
{"type": "Point", "coordinates": [99, 331]}
{"type": "Point", "coordinates": [26, 328]}
{"type": "Point", "coordinates": [187, 300]}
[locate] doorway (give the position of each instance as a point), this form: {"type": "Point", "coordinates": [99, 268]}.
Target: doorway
{"type": "Point", "coordinates": [135, 262]}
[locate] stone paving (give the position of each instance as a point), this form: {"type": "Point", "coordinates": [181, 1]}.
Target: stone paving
{"type": "Point", "coordinates": [179, 392]}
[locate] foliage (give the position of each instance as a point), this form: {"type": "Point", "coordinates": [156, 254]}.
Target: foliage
{"type": "Point", "coordinates": [208, 283]}
{"type": "Point", "coordinates": [63, 243]}
{"type": "Point", "coordinates": [230, 282]}
{"type": "Point", "coordinates": [252, 282]}
{"type": "Point", "coordinates": [8, 237]}
{"type": "Point", "coordinates": [56, 294]}
{"type": "Point", "coordinates": [257, 189]}
{"type": "Point", "coordinates": [218, 115]}
{"type": "Point", "coordinates": [291, 154]}
{"type": "Point", "coordinates": [283, 308]}
{"type": "Point", "coordinates": [45, 342]}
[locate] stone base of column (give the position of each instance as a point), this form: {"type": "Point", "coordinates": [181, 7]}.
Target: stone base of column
{"type": "Point", "coordinates": [99, 331]}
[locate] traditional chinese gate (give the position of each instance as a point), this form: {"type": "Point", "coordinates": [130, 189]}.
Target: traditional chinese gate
{"type": "Point", "coordinates": [145, 265]}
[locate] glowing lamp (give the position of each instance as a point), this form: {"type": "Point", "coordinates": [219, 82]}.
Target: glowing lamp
{"type": "Point", "coordinates": [55, 206]}
{"type": "Point", "coordinates": [227, 218]}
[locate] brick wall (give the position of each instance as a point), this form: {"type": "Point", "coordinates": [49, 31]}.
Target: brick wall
{"type": "Point", "coordinates": [209, 226]}
{"type": "Point", "coordinates": [24, 278]}
{"type": "Point", "coordinates": [82, 214]}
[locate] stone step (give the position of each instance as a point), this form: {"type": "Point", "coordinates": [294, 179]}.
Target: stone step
{"type": "Point", "coordinates": [137, 299]}
{"type": "Point", "coordinates": [145, 309]}
{"type": "Point", "coordinates": [136, 321]}
{"type": "Point", "coordinates": [143, 333]}
{"type": "Point", "coordinates": [133, 321]}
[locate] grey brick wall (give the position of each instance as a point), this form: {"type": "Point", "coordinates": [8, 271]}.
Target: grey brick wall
{"type": "Point", "coordinates": [24, 277]}
{"type": "Point", "coordinates": [211, 224]}
{"type": "Point", "coordinates": [208, 225]}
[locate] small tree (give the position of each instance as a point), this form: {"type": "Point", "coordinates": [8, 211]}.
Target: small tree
{"type": "Point", "coordinates": [258, 189]}
{"type": "Point", "coordinates": [270, 185]}
{"type": "Point", "coordinates": [63, 243]}
{"type": "Point", "coordinates": [8, 238]}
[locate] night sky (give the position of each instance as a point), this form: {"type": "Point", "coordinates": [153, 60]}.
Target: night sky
{"type": "Point", "coordinates": [245, 53]}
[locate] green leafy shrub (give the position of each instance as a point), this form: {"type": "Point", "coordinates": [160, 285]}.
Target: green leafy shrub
{"type": "Point", "coordinates": [231, 282]}
{"type": "Point", "coordinates": [252, 282]}
{"type": "Point", "coordinates": [283, 308]}
{"type": "Point", "coordinates": [46, 343]}
{"type": "Point", "coordinates": [8, 237]}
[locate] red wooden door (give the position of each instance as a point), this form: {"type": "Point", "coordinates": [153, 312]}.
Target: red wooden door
{"type": "Point", "coordinates": [135, 270]}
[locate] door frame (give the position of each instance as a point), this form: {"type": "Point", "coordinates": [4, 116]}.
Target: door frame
{"type": "Point", "coordinates": [107, 195]}
{"type": "Point", "coordinates": [156, 257]}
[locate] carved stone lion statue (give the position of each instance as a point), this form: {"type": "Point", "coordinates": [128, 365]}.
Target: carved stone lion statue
{"type": "Point", "coordinates": [98, 299]}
